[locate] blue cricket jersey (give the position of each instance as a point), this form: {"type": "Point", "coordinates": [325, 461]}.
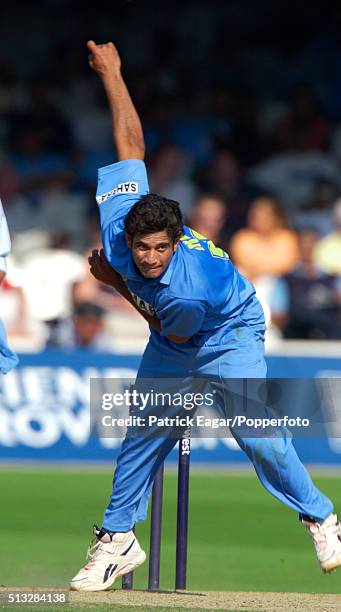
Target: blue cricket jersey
{"type": "Point", "coordinates": [201, 294]}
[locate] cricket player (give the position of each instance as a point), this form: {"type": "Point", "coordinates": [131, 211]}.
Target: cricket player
{"type": "Point", "coordinates": [8, 359]}
{"type": "Point", "coordinates": [204, 320]}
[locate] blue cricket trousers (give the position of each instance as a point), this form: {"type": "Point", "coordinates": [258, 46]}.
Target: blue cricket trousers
{"type": "Point", "coordinates": [275, 460]}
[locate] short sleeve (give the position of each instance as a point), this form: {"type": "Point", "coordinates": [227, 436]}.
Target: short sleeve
{"type": "Point", "coordinates": [180, 317]}
{"type": "Point", "coordinates": [119, 187]}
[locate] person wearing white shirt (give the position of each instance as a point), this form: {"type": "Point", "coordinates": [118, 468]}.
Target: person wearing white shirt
{"type": "Point", "coordinates": [8, 358]}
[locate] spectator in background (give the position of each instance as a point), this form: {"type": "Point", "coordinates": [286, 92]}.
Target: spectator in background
{"type": "Point", "coordinates": [328, 250]}
{"type": "Point", "coordinates": [292, 175]}
{"type": "Point", "coordinates": [266, 247]}
{"type": "Point", "coordinates": [307, 302]}
{"type": "Point", "coordinates": [318, 214]}
{"type": "Point", "coordinates": [169, 176]}
{"type": "Point", "coordinates": [48, 275]}
{"type": "Point", "coordinates": [208, 217]}
{"type": "Point", "coordinates": [222, 177]}
{"type": "Point", "coordinates": [84, 330]}
{"type": "Point", "coordinates": [38, 183]}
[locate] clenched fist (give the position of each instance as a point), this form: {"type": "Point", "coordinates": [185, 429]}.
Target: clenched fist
{"type": "Point", "coordinates": [104, 59]}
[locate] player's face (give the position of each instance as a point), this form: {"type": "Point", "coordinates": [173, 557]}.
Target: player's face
{"type": "Point", "coordinates": [152, 252]}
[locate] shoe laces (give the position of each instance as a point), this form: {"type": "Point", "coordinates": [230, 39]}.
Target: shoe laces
{"type": "Point", "coordinates": [319, 532]}
{"type": "Point", "coordinates": [93, 550]}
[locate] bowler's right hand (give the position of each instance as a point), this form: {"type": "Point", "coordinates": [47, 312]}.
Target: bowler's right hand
{"type": "Point", "coordinates": [104, 59]}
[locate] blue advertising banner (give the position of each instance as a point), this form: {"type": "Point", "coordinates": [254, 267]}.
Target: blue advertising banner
{"type": "Point", "coordinates": [44, 409]}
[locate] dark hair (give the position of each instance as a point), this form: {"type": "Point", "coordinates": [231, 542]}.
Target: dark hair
{"type": "Point", "coordinates": [153, 213]}
{"type": "Point", "coordinates": [88, 309]}
{"type": "Point", "coordinates": [275, 205]}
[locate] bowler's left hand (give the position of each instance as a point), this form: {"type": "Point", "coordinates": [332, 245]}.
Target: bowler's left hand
{"type": "Point", "coordinates": [101, 269]}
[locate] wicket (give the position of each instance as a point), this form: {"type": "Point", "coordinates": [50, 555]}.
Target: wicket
{"type": "Point", "coordinates": [156, 523]}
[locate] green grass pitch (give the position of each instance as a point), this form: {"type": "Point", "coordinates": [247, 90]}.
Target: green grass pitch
{"type": "Point", "coordinates": [240, 538]}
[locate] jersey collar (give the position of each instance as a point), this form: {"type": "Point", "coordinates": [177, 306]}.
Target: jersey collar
{"type": "Point", "coordinates": [167, 275]}
{"type": "Point", "coordinates": [132, 271]}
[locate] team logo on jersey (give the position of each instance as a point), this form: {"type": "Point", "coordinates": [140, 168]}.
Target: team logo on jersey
{"type": "Point", "coordinates": [131, 187]}
{"type": "Point", "coordinates": [199, 240]}
{"type": "Point", "coordinates": [142, 304]}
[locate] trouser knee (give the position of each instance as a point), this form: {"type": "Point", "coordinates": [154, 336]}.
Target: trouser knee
{"type": "Point", "coordinates": [266, 449]}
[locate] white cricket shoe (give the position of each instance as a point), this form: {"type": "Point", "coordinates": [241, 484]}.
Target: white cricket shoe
{"type": "Point", "coordinates": [326, 536]}
{"type": "Point", "coordinates": [109, 556]}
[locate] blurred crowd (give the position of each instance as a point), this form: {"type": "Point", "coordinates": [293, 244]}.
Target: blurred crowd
{"type": "Point", "coordinates": [244, 132]}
